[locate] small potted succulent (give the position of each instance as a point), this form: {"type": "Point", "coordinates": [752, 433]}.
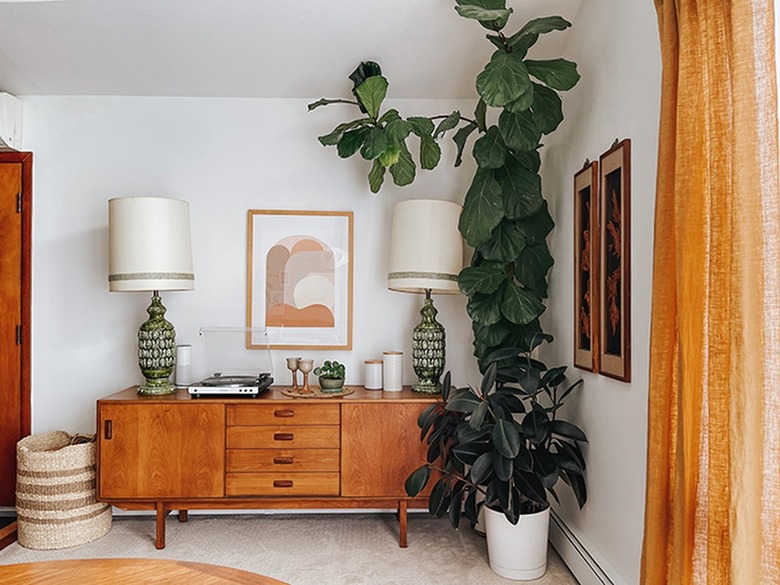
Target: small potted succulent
{"type": "Point", "coordinates": [331, 375]}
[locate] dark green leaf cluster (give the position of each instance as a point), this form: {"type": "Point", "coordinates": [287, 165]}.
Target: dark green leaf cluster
{"type": "Point", "coordinates": [503, 440]}
{"type": "Point", "coordinates": [330, 370]}
{"type": "Point", "coordinates": [505, 217]}
{"type": "Point", "coordinates": [382, 137]}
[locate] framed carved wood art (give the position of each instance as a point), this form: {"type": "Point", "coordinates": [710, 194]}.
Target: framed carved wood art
{"type": "Point", "coordinates": [615, 262]}
{"type": "Point", "coordinates": [586, 263]}
{"type": "Point", "coordinates": [299, 278]}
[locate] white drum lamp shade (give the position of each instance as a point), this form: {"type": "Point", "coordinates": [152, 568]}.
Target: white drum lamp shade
{"type": "Point", "coordinates": [426, 248]}
{"type": "Point", "coordinates": [150, 245]}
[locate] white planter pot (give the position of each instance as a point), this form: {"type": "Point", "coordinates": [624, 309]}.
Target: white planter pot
{"type": "Point", "coordinates": [517, 552]}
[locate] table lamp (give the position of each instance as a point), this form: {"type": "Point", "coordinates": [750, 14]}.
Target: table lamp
{"type": "Point", "coordinates": [150, 249]}
{"type": "Point", "coordinates": [426, 255]}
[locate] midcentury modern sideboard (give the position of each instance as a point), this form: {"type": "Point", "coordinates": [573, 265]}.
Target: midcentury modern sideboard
{"type": "Point", "coordinates": [272, 452]}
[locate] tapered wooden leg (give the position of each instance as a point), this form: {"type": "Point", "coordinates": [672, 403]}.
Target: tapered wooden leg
{"type": "Point", "coordinates": [161, 513]}
{"type": "Point", "coordinates": [402, 523]}
{"type": "Point", "coordinates": [183, 516]}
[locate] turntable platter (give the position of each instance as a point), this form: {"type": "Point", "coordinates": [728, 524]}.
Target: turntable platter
{"type": "Point", "coordinates": [229, 381]}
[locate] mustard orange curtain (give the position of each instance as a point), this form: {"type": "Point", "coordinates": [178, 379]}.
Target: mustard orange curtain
{"type": "Point", "coordinates": [713, 473]}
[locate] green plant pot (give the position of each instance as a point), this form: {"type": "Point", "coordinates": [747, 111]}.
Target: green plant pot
{"type": "Point", "coordinates": [331, 385]}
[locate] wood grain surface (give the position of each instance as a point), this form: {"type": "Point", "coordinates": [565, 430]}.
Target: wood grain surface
{"type": "Point", "coordinates": [127, 572]}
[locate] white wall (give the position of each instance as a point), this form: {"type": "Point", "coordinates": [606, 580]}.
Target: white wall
{"type": "Point", "coordinates": [224, 156]}
{"type": "Point", "coordinates": [615, 44]}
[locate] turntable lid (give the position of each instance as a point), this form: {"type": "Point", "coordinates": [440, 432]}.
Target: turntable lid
{"type": "Point", "coordinates": [236, 350]}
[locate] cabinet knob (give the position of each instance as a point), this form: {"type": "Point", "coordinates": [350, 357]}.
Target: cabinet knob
{"type": "Point", "coordinates": [107, 429]}
{"type": "Point", "coordinates": [283, 483]}
{"type": "Point", "coordinates": [283, 436]}
{"type": "Point", "coordinates": [283, 460]}
{"type": "Point", "coordinates": [286, 413]}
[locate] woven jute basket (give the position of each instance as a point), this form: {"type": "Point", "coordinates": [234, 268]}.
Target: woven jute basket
{"type": "Point", "coordinates": [56, 505]}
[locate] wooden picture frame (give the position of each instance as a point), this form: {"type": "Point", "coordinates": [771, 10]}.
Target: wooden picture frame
{"type": "Point", "coordinates": [615, 262]}
{"type": "Point", "coordinates": [299, 278]}
{"type": "Point", "coordinates": [586, 267]}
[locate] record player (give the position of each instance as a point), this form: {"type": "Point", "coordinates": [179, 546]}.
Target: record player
{"type": "Point", "coordinates": [236, 370]}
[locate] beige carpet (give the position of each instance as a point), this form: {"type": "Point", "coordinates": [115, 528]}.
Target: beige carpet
{"type": "Point", "coordinates": [304, 549]}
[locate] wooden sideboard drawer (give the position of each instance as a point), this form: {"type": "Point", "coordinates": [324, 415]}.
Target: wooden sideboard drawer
{"type": "Point", "coordinates": [282, 484]}
{"type": "Point", "coordinates": [289, 437]}
{"type": "Point", "coordinates": [282, 460]}
{"type": "Point", "coordinates": [283, 414]}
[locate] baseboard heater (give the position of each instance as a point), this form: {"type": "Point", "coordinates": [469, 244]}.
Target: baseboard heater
{"type": "Point", "coordinates": [581, 563]}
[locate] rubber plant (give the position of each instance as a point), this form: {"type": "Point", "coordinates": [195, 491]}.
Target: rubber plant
{"type": "Point", "coordinates": [504, 440]}
{"type": "Point", "coordinates": [505, 217]}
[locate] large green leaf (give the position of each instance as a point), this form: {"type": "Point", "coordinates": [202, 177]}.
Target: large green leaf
{"type": "Point", "coordinates": [546, 467]}
{"type": "Point", "coordinates": [371, 94]}
{"type": "Point", "coordinates": [483, 14]}
{"type": "Point", "coordinates": [475, 422]}
{"type": "Point", "coordinates": [335, 136]}
{"type": "Point", "coordinates": [376, 176]}
{"type": "Point", "coordinates": [460, 138]}
{"type": "Point", "coordinates": [464, 402]}
{"type": "Point", "coordinates": [484, 309]}
{"type": "Point", "coordinates": [494, 334]}
{"type": "Point", "coordinates": [404, 170]}
{"type": "Point", "coordinates": [397, 130]}
{"type": "Point", "coordinates": [521, 104]}
{"type": "Point", "coordinates": [417, 481]}
{"type": "Point", "coordinates": [456, 504]}
{"type": "Point", "coordinates": [351, 142]}
{"type": "Point", "coordinates": [421, 126]}
{"type": "Point", "coordinates": [430, 153]}
{"type": "Point", "coordinates": [447, 124]}
{"type": "Point", "coordinates": [390, 156]}
{"type": "Point", "coordinates": [559, 74]}
{"type": "Point", "coordinates": [521, 189]}
{"type": "Point", "coordinates": [486, 4]}
{"type": "Point", "coordinates": [482, 468]}
{"type": "Point", "coordinates": [481, 279]}
{"type": "Point", "coordinates": [533, 263]}
{"type": "Point", "coordinates": [567, 429]}
{"type": "Point", "coordinates": [483, 208]}
{"type": "Point", "coordinates": [530, 159]}
{"type": "Point", "coordinates": [503, 466]}
{"type": "Point", "coordinates": [374, 143]}
{"type": "Point", "coordinates": [547, 108]}
{"type": "Point", "coordinates": [527, 36]}
{"type": "Point", "coordinates": [519, 130]}
{"type": "Point", "coordinates": [440, 498]}
{"type": "Point", "coordinates": [504, 244]}
{"type": "Point", "coordinates": [506, 439]}
{"type": "Point", "coordinates": [537, 226]}
{"type": "Point", "coordinates": [519, 305]}
{"type": "Point", "coordinates": [503, 80]}
{"type": "Point", "coordinates": [469, 452]}
{"type": "Point", "coordinates": [489, 150]}
{"type": "Point", "coordinates": [536, 425]}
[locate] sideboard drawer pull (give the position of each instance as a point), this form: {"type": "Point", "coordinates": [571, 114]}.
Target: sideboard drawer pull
{"type": "Point", "coordinates": [283, 483]}
{"type": "Point", "coordinates": [283, 460]}
{"type": "Point", "coordinates": [286, 413]}
{"type": "Point", "coordinates": [283, 436]}
{"type": "Point", "coordinates": [107, 429]}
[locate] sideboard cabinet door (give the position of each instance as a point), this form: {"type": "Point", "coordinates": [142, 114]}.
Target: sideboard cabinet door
{"type": "Point", "coordinates": [380, 447]}
{"type": "Point", "coordinates": [157, 451]}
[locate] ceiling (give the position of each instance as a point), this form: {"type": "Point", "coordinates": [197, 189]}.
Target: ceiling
{"type": "Point", "coordinates": [248, 48]}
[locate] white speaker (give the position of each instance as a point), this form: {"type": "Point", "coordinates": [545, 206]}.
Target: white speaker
{"type": "Point", "coordinates": [10, 121]}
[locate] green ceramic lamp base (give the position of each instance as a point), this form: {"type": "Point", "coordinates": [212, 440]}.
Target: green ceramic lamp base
{"type": "Point", "coordinates": [156, 350]}
{"type": "Point", "coordinates": [428, 349]}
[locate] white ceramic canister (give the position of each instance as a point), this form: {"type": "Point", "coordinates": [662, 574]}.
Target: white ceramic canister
{"type": "Point", "coordinates": [183, 368]}
{"type": "Point", "coordinates": [373, 374]}
{"type": "Point", "coordinates": [392, 372]}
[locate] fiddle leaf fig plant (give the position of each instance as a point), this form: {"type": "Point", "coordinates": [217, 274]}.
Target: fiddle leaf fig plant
{"type": "Point", "coordinates": [505, 216]}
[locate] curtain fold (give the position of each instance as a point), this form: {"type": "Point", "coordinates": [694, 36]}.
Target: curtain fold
{"type": "Point", "coordinates": [712, 510]}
